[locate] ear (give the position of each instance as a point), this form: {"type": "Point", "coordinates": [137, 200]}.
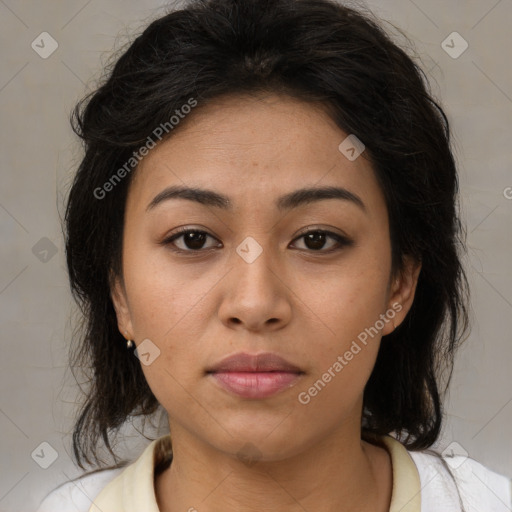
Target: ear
{"type": "Point", "coordinates": [118, 295]}
{"type": "Point", "coordinates": [401, 294]}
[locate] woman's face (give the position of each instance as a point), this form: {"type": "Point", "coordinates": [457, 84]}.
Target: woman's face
{"type": "Point", "coordinates": [253, 282]}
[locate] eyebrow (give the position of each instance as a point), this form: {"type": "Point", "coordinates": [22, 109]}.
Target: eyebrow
{"type": "Point", "coordinates": [288, 201]}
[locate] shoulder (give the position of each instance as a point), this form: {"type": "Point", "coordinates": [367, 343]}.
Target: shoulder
{"type": "Point", "coordinates": [77, 495]}
{"type": "Point", "coordinates": [460, 480]}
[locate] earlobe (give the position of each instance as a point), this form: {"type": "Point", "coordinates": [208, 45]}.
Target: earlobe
{"type": "Point", "coordinates": [402, 293]}
{"type": "Point", "coordinates": [118, 296]}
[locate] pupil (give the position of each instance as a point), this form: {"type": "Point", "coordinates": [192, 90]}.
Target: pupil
{"type": "Point", "coordinates": [317, 239]}
{"type": "Point", "coordinates": [194, 240]}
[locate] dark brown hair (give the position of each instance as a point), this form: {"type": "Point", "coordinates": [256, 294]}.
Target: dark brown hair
{"type": "Point", "coordinates": [317, 51]}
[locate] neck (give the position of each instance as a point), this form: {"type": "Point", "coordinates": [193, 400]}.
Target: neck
{"type": "Point", "coordinates": [340, 473]}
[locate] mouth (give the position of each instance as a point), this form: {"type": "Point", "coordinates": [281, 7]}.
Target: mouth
{"type": "Point", "coordinates": [254, 376]}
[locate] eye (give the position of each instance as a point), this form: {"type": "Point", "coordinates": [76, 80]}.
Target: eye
{"type": "Point", "coordinates": [315, 240]}
{"type": "Point", "coordinates": [193, 240]}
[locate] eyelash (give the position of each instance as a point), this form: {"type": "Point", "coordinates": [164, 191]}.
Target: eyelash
{"type": "Point", "coordinates": [340, 239]}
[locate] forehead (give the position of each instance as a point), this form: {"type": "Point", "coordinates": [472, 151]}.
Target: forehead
{"type": "Point", "coordinates": [252, 148]}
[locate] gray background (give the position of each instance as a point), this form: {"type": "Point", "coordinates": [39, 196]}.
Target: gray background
{"type": "Point", "coordinates": [39, 154]}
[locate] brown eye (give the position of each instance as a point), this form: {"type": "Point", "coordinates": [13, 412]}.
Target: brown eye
{"type": "Point", "coordinates": [193, 240]}
{"type": "Point", "coordinates": [317, 239]}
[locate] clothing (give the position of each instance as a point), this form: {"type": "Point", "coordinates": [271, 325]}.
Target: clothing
{"type": "Point", "coordinates": [421, 483]}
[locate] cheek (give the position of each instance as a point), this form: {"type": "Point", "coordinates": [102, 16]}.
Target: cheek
{"type": "Point", "coordinates": [163, 295]}
{"type": "Point", "coordinates": [167, 307]}
{"type": "Point", "coordinates": [347, 301]}
{"type": "Point", "coordinates": [349, 305]}
{"type": "Point", "coordinates": [343, 357]}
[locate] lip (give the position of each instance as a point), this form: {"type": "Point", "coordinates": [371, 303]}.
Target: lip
{"type": "Point", "coordinates": [264, 362]}
{"type": "Point", "coordinates": [254, 376]}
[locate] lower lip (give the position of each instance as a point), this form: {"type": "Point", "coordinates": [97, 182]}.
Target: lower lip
{"type": "Point", "coordinates": [255, 384]}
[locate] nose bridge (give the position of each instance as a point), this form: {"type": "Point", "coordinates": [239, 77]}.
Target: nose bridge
{"type": "Point", "coordinates": [254, 264]}
{"type": "Point", "coordinates": [254, 293]}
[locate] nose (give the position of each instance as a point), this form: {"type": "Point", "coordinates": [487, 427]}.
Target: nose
{"type": "Point", "coordinates": [255, 296]}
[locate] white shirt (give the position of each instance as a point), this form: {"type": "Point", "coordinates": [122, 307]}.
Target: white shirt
{"type": "Point", "coordinates": [422, 482]}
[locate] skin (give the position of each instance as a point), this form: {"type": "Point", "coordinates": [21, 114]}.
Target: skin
{"type": "Point", "coordinates": [304, 304]}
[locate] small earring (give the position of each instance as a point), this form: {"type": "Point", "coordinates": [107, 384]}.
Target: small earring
{"type": "Point", "coordinates": [129, 344]}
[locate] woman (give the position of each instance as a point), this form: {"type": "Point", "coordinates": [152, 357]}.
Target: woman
{"type": "Point", "coordinates": [263, 237]}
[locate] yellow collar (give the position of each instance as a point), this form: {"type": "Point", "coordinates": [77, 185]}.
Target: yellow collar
{"type": "Point", "coordinates": [133, 489]}
{"type": "Point", "coordinates": [406, 494]}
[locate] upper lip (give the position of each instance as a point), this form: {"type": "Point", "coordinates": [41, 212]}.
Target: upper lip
{"type": "Point", "coordinates": [243, 362]}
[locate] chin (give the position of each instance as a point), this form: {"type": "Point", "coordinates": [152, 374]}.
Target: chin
{"type": "Point", "coordinates": [260, 440]}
